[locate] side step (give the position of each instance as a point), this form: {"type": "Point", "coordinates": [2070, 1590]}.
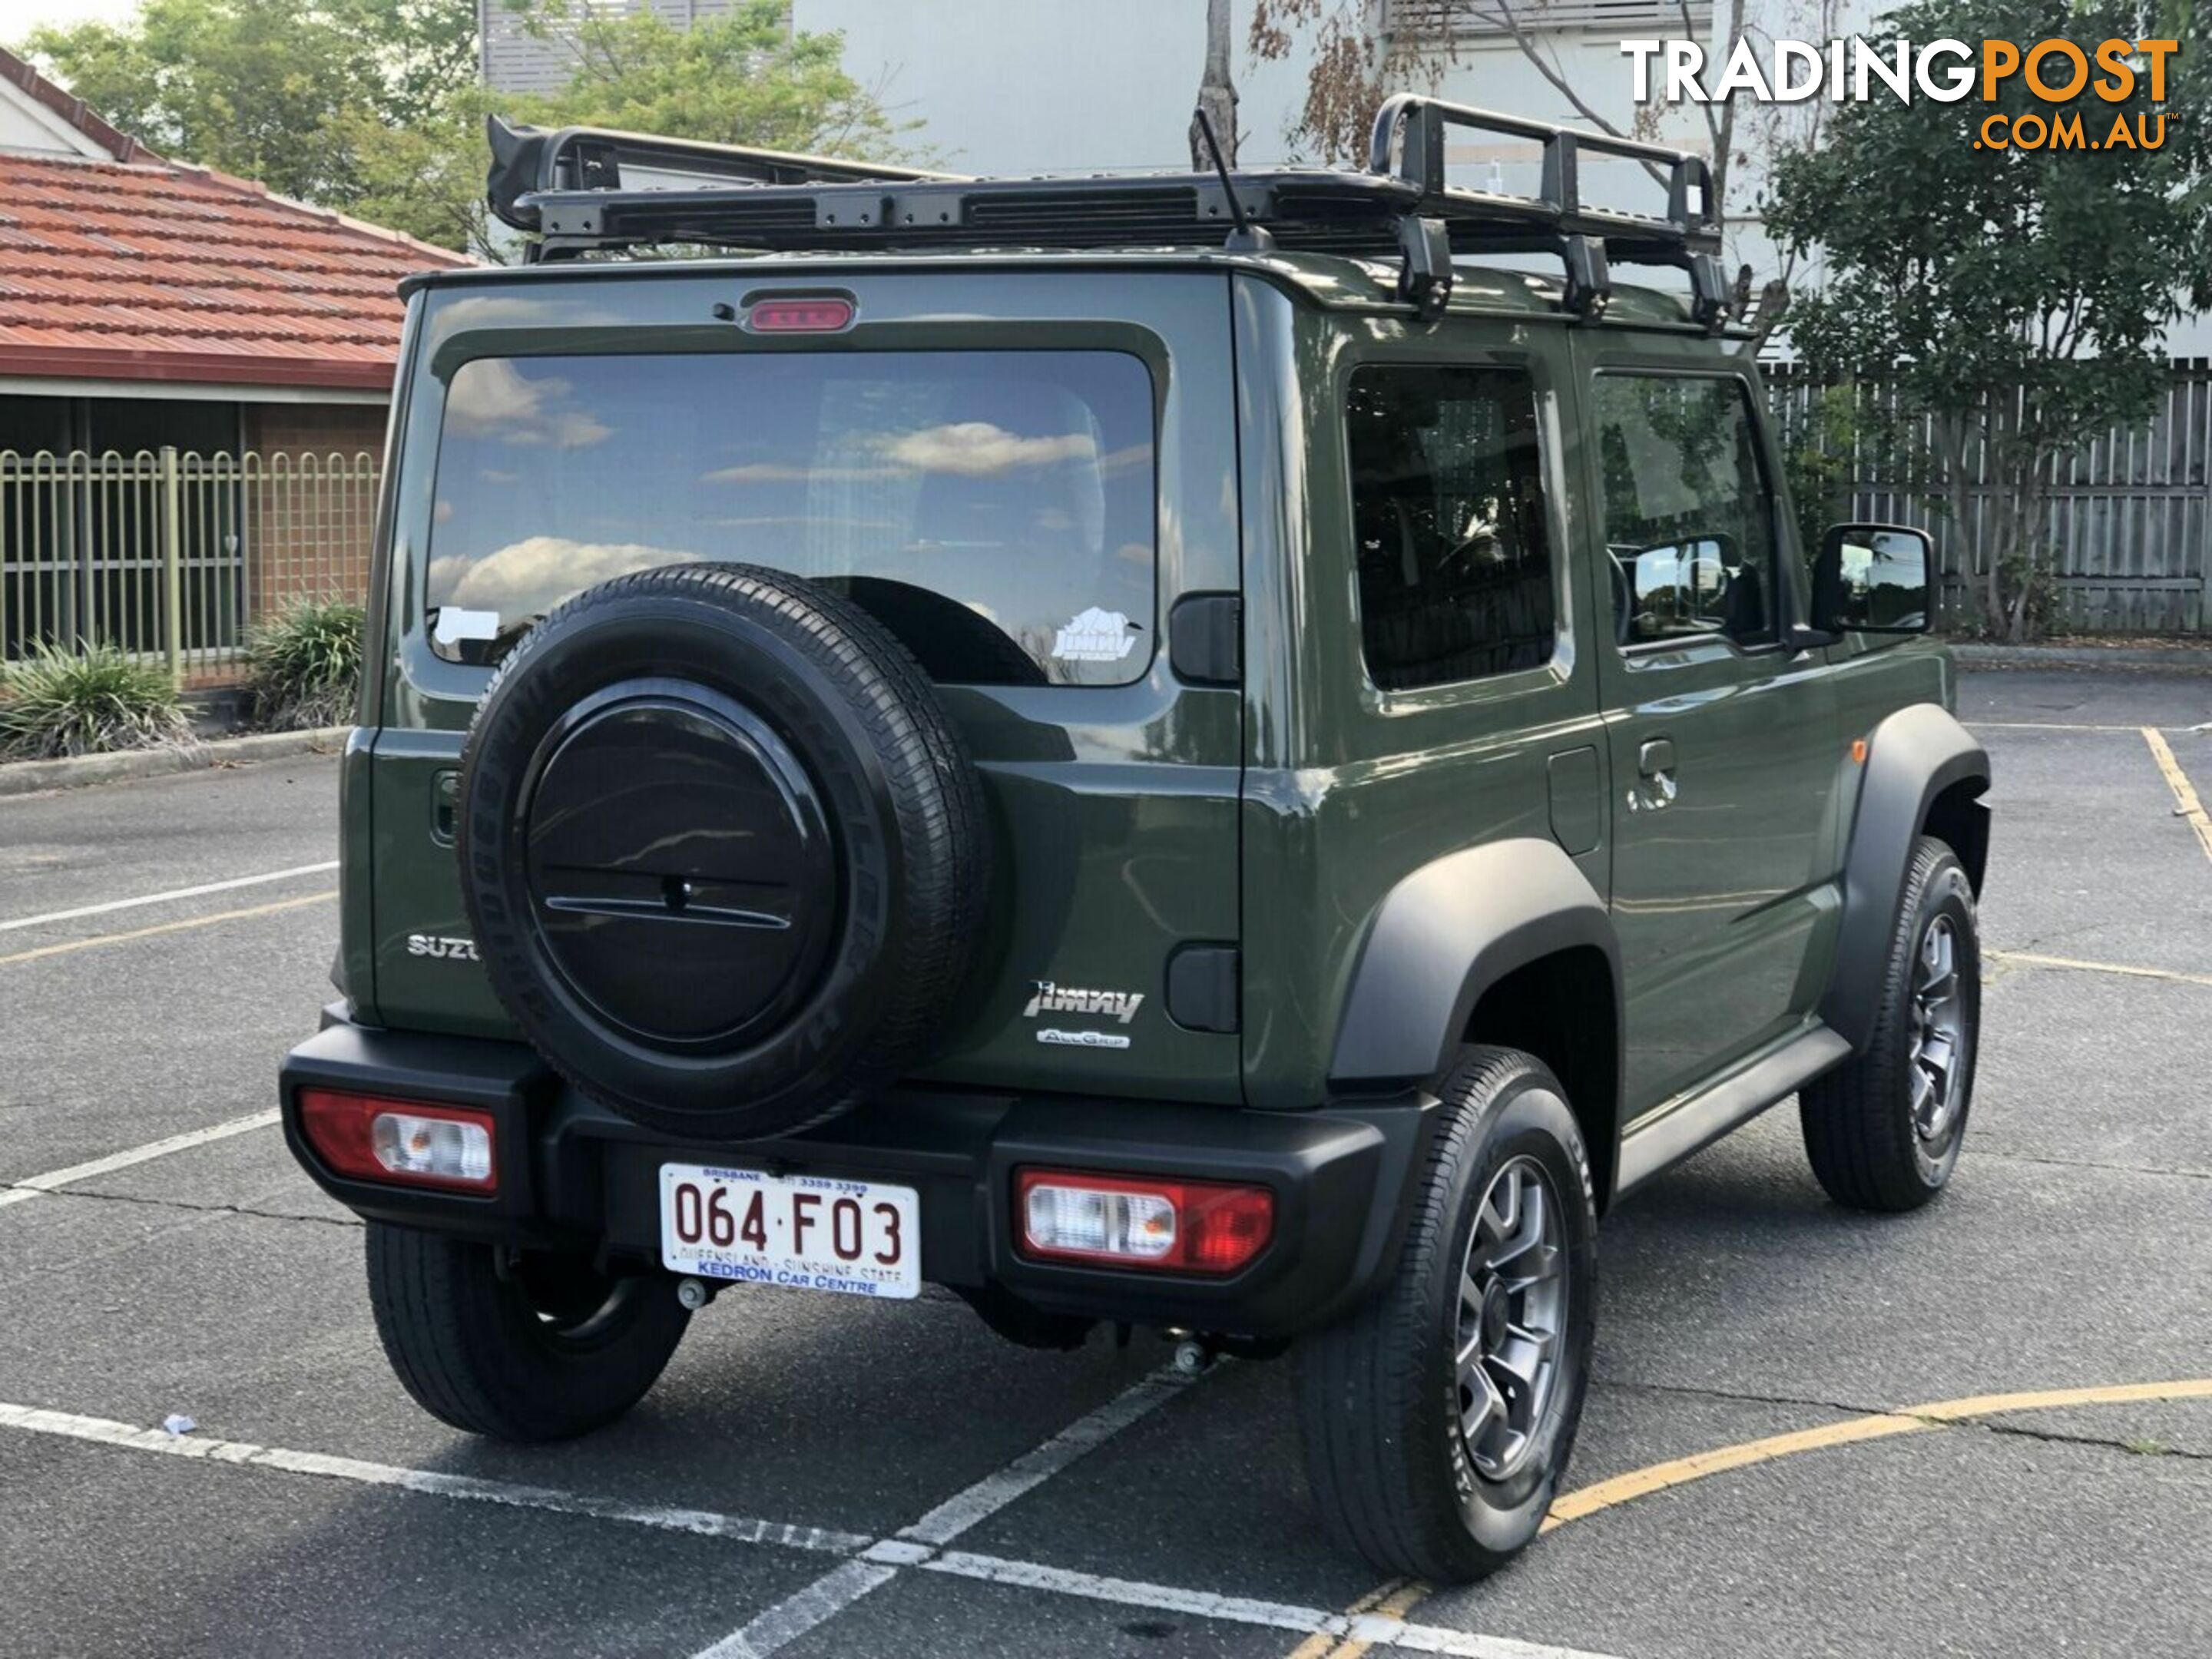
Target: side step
{"type": "Point", "coordinates": [1695, 1121]}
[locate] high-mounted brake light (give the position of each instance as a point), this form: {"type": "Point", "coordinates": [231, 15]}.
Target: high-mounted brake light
{"type": "Point", "coordinates": [1135, 1221]}
{"type": "Point", "coordinates": [402, 1141]}
{"type": "Point", "coordinates": [823, 314]}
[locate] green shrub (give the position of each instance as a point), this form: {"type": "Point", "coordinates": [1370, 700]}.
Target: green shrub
{"type": "Point", "coordinates": [59, 702]}
{"type": "Point", "coordinates": [305, 664]}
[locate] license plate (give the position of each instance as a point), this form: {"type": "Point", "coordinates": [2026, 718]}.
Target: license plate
{"type": "Point", "coordinates": [810, 1232]}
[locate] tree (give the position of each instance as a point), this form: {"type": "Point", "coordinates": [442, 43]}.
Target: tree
{"type": "Point", "coordinates": [744, 77]}
{"type": "Point", "coordinates": [1217, 92]}
{"type": "Point", "coordinates": [2009, 300]}
{"type": "Point", "coordinates": [247, 85]}
{"type": "Point", "coordinates": [373, 106]}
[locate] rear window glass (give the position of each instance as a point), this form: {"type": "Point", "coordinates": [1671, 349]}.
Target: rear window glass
{"type": "Point", "coordinates": [994, 509]}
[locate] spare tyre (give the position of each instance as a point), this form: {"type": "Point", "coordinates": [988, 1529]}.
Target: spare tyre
{"type": "Point", "coordinates": [722, 849]}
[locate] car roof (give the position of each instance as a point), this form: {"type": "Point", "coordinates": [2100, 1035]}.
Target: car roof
{"type": "Point", "coordinates": [1333, 281]}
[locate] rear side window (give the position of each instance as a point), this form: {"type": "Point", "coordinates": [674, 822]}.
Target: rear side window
{"type": "Point", "coordinates": [993, 510]}
{"type": "Point", "coordinates": [1453, 536]}
{"type": "Point", "coordinates": [1689, 517]}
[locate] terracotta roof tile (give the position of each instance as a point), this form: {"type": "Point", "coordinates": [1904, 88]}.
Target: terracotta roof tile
{"type": "Point", "coordinates": [164, 272]}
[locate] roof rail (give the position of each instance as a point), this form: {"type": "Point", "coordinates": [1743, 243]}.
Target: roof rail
{"type": "Point", "coordinates": [586, 190]}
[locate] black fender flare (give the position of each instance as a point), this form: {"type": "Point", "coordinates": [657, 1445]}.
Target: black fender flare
{"type": "Point", "coordinates": [1447, 933]}
{"type": "Point", "coordinates": [1912, 757]}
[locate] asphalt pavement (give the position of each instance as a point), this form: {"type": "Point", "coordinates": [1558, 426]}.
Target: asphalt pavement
{"type": "Point", "coordinates": [1985, 1428]}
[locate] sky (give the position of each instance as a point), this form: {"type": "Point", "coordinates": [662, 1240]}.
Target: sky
{"type": "Point", "coordinates": [19, 17]}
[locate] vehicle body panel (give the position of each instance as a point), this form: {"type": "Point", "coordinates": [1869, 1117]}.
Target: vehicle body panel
{"type": "Point", "coordinates": [1349, 788]}
{"type": "Point", "coordinates": [1114, 808]}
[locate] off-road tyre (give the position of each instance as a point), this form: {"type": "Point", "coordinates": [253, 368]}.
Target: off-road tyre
{"type": "Point", "coordinates": [1860, 1135]}
{"type": "Point", "coordinates": [531, 1349]}
{"type": "Point", "coordinates": [1379, 1401]}
{"type": "Point", "coordinates": [692, 693]}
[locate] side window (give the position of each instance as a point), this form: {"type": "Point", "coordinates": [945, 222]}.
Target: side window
{"type": "Point", "coordinates": [1456, 579]}
{"type": "Point", "coordinates": [1689, 516]}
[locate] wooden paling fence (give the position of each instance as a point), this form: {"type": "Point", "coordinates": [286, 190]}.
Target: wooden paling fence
{"type": "Point", "coordinates": [2128, 536]}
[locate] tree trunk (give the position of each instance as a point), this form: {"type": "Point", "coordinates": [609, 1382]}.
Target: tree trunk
{"type": "Point", "coordinates": [1950, 435]}
{"type": "Point", "coordinates": [1216, 93]}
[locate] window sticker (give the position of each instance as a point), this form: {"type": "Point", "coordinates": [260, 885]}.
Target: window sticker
{"type": "Point", "coordinates": [1095, 636]}
{"type": "Point", "coordinates": [455, 624]}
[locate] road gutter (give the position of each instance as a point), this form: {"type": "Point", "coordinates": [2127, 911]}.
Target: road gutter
{"type": "Point", "coordinates": [33, 777]}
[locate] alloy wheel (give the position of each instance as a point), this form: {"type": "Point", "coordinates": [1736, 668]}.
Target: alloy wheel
{"type": "Point", "coordinates": [1512, 1316]}
{"type": "Point", "coordinates": [1937, 1049]}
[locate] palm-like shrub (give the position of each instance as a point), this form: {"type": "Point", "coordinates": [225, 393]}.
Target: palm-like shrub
{"type": "Point", "coordinates": [305, 664]}
{"type": "Point", "coordinates": [57, 702]}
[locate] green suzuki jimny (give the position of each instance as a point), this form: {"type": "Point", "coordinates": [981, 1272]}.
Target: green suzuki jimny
{"type": "Point", "coordinates": [1175, 751]}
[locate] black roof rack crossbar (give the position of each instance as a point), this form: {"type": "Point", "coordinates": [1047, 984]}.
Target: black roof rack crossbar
{"type": "Point", "coordinates": [584, 190]}
{"type": "Point", "coordinates": [1409, 143]}
{"type": "Point", "coordinates": [528, 161]}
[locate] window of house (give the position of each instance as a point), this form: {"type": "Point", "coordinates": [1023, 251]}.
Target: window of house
{"type": "Point", "coordinates": [1454, 545]}
{"type": "Point", "coordinates": [1689, 514]}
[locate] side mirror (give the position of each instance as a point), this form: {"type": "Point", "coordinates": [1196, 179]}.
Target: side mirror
{"type": "Point", "coordinates": [1874, 579]}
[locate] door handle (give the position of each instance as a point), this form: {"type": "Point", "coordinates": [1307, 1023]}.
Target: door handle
{"type": "Point", "coordinates": [1655, 762]}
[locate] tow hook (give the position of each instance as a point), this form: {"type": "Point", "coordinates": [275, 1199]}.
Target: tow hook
{"type": "Point", "coordinates": [1195, 1357]}
{"type": "Point", "coordinates": [695, 1293]}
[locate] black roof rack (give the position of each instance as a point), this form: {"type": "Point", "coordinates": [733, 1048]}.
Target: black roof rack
{"type": "Point", "coordinates": [583, 190]}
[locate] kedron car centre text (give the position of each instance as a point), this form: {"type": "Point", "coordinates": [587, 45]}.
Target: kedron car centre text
{"type": "Point", "coordinates": [2054, 72]}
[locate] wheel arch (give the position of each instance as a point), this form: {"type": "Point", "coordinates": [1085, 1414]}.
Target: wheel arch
{"type": "Point", "coordinates": [1506, 943]}
{"type": "Point", "coordinates": [1925, 774]}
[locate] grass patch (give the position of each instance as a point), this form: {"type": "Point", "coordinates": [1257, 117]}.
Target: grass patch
{"type": "Point", "coordinates": [55, 703]}
{"type": "Point", "coordinates": [304, 664]}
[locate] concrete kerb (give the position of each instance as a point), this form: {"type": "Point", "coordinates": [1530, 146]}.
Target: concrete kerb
{"type": "Point", "coordinates": [33, 777]}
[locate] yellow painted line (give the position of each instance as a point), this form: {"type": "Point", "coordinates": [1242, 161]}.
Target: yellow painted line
{"type": "Point", "coordinates": [97, 939]}
{"type": "Point", "coordinates": [1395, 1600]}
{"type": "Point", "coordinates": [2030, 959]}
{"type": "Point", "coordinates": [2116, 1393]}
{"type": "Point", "coordinates": [2184, 793]}
{"type": "Point", "coordinates": [1913, 1420]}
{"type": "Point", "coordinates": [1641, 1483]}
{"type": "Point", "coordinates": [1399, 1597]}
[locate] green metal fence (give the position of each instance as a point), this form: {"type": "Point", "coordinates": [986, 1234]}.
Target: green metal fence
{"type": "Point", "coordinates": [172, 555]}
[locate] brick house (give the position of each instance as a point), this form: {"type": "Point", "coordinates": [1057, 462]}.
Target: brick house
{"type": "Point", "coordinates": [147, 306]}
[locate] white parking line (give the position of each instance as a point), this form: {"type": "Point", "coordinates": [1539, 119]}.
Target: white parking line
{"type": "Point", "coordinates": [31, 1187]}
{"type": "Point", "coordinates": [963, 1510]}
{"type": "Point", "coordinates": [830, 1595]}
{"type": "Point", "coordinates": [1372, 1629]}
{"type": "Point", "coordinates": [869, 1563]}
{"type": "Point", "coordinates": [706, 1523]}
{"type": "Point", "coordinates": [165, 898]}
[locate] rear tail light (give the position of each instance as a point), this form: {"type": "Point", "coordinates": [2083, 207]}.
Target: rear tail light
{"type": "Point", "coordinates": [1133, 1221]}
{"type": "Point", "coordinates": [401, 1140]}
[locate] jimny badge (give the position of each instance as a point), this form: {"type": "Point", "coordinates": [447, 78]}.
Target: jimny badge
{"type": "Point", "coordinates": [1047, 998]}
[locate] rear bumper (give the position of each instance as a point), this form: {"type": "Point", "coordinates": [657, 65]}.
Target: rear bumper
{"type": "Point", "coordinates": [574, 1174]}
